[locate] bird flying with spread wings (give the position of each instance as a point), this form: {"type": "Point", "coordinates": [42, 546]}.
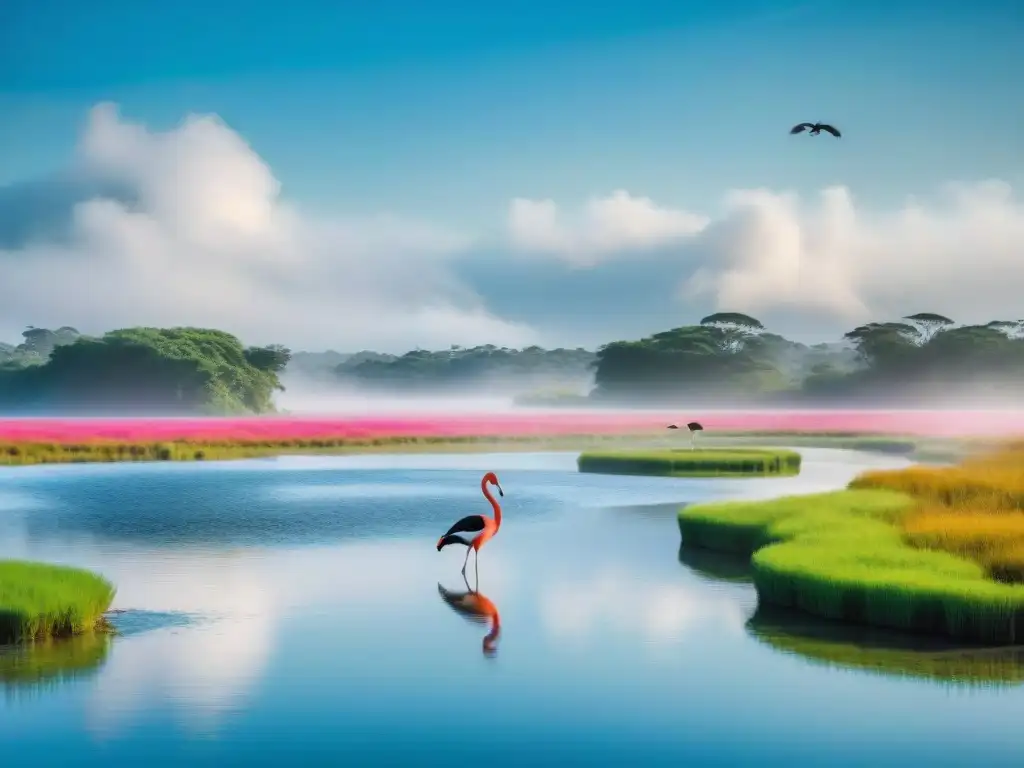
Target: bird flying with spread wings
{"type": "Point", "coordinates": [816, 128]}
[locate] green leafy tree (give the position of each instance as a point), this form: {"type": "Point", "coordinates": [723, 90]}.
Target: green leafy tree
{"type": "Point", "coordinates": [148, 370]}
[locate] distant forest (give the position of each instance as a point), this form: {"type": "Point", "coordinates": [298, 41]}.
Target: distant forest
{"type": "Point", "coordinates": [726, 358]}
{"type": "Point", "coordinates": [555, 372]}
{"type": "Point", "coordinates": [171, 371]}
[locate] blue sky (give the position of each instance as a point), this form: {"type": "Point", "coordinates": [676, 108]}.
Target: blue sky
{"type": "Point", "coordinates": [447, 110]}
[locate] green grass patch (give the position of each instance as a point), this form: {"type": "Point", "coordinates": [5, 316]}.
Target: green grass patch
{"type": "Point", "coordinates": [840, 555]}
{"type": "Point", "coordinates": [683, 462]}
{"type": "Point", "coordinates": [39, 601]}
{"type": "Point", "coordinates": [886, 653]}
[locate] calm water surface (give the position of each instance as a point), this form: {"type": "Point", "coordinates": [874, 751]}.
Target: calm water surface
{"type": "Point", "coordinates": [288, 611]}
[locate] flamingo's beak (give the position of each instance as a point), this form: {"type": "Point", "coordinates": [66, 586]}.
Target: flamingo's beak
{"type": "Point", "coordinates": [500, 492]}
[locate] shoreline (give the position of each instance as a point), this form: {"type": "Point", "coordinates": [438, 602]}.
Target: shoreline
{"type": "Point", "coordinates": [842, 555]}
{"type": "Point", "coordinates": [15, 453]}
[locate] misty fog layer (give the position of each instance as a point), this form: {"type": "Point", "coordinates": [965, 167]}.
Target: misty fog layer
{"type": "Point", "coordinates": [306, 393]}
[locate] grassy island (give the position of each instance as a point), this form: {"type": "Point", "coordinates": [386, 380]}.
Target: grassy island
{"type": "Point", "coordinates": [40, 601]}
{"type": "Point", "coordinates": [683, 462]}
{"type": "Point", "coordinates": [938, 550]}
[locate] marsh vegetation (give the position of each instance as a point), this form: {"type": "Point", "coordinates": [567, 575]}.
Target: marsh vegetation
{"type": "Point", "coordinates": [926, 549]}
{"type": "Point", "coordinates": [684, 462]}
{"type": "Point", "coordinates": [40, 601]}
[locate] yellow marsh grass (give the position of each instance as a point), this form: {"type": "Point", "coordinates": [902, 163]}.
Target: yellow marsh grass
{"type": "Point", "coordinates": [974, 510]}
{"type": "Point", "coordinates": [967, 532]}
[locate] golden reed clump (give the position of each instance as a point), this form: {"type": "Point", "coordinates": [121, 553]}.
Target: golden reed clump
{"type": "Point", "coordinates": [974, 509]}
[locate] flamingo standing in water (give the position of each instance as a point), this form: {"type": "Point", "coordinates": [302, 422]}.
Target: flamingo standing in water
{"type": "Point", "coordinates": [476, 607]}
{"type": "Point", "coordinates": [486, 525]}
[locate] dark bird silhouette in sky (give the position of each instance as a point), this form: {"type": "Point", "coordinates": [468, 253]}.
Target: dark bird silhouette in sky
{"type": "Point", "coordinates": [816, 128]}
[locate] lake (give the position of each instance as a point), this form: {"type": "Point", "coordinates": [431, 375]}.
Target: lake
{"type": "Point", "coordinates": [288, 611]}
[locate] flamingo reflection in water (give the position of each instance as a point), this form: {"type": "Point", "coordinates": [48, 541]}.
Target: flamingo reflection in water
{"type": "Point", "coordinates": [477, 608]}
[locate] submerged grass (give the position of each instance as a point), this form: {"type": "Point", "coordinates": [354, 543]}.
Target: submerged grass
{"type": "Point", "coordinates": [39, 601]}
{"type": "Point", "coordinates": [716, 566]}
{"type": "Point", "coordinates": [38, 664]}
{"type": "Point", "coordinates": [886, 653]}
{"type": "Point", "coordinates": [683, 462]}
{"type": "Point", "coordinates": [842, 555]}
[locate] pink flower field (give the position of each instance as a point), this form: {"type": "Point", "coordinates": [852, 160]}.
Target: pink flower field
{"type": "Point", "coordinates": [283, 429]}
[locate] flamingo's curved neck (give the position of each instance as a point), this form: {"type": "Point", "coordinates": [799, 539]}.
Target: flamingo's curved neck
{"type": "Point", "coordinates": [494, 504]}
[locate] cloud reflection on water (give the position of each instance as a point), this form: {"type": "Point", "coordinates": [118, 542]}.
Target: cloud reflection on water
{"type": "Point", "coordinates": [661, 612]}
{"type": "Point", "coordinates": [353, 601]}
{"type": "Point", "coordinates": [215, 668]}
{"type": "Point", "coordinates": [244, 600]}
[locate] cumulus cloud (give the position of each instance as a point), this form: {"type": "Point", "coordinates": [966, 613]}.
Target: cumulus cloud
{"type": "Point", "coordinates": [619, 222]}
{"type": "Point", "coordinates": [202, 236]}
{"type": "Point", "coordinates": [772, 253]}
{"type": "Point", "coordinates": [958, 254]}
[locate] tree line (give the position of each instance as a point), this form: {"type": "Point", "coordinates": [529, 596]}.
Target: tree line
{"type": "Point", "coordinates": [732, 357]}
{"type": "Point", "coordinates": [146, 371]}
{"type": "Point", "coordinates": [727, 358]}
{"type": "Point", "coordinates": [456, 367]}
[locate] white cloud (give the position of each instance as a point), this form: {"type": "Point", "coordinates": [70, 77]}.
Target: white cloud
{"type": "Point", "coordinates": [770, 253]}
{"type": "Point", "coordinates": [959, 255]}
{"type": "Point", "coordinates": [206, 238]}
{"type": "Point", "coordinates": [606, 225]}
{"type": "Point", "coordinates": [209, 241]}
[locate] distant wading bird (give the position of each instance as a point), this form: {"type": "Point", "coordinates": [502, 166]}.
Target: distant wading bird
{"type": "Point", "coordinates": [486, 525]}
{"type": "Point", "coordinates": [694, 427]}
{"type": "Point", "coordinates": [816, 128]}
{"type": "Point", "coordinates": [475, 607]}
